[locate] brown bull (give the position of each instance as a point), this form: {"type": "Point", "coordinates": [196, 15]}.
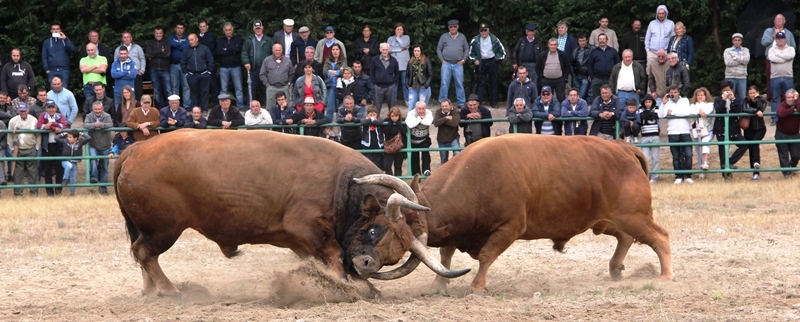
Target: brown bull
{"type": "Point", "coordinates": [534, 187]}
{"type": "Point", "coordinates": [261, 187]}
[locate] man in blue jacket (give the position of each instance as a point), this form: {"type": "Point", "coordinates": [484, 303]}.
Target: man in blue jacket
{"type": "Point", "coordinates": [196, 63]}
{"type": "Point", "coordinates": [601, 60]}
{"type": "Point", "coordinates": [55, 54]}
{"type": "Point", "coordinates": [178, 43]}
{"type": "Point", "coordinates": [124, 72]}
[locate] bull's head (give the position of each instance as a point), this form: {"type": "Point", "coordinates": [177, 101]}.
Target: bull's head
{"type": "Point", "coordinates": [385, 239]}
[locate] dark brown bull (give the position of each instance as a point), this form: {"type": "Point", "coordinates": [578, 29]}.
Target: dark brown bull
{"type": "Point", "coordinates": [262, 187]}
{"type": "Point", "coordinates": [534, 187]}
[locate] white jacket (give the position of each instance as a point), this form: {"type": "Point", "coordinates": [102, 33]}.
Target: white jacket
{"type": "Point", "coordinates": [679, 108]}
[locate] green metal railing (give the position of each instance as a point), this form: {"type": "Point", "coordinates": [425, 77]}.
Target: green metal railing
{"type": "Point", "coordinates": [408, 150]}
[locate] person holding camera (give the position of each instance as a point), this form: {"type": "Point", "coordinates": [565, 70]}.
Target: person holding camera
{"type": "Point", "coordinates": [678, 130]}
{"type": "Point", "coordinates": [724, 104]}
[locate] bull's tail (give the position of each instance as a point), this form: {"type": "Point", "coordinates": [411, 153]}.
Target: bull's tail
{"type": "Point", "coordinates": [133, 231]}
{"type": "Point", "coordinates": [640, 156]}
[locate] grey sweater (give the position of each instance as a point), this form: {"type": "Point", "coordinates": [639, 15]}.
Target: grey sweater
{"type": "Point", "coordinates": [452, 49]}
{"type": "Point", "coordinates": [100, 140]}
{"type": "Point", "coordinates": [276, 75]}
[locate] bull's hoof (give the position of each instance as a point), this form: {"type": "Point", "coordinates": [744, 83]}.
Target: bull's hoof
{"type": "Point", "coordinates": [174, 293]}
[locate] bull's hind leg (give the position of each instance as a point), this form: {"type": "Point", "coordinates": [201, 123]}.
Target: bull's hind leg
{"type": "Point", "coordinates": [624, 242]}
{"type": "Point", "coordinates": [446, 253]}
{"type": "Point", "coordinates": [146, 249]}
{"type": "Point", "coordinates": [643, 229]}
{"type": "Point", "coordinates": [497, 243]}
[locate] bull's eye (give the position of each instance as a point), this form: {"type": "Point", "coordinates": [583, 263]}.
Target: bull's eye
{"type": "Point", "coordinates": [372, 232]}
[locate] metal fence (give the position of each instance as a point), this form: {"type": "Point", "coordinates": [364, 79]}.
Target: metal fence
{"type": "Point", "coordinates": [408, 150]}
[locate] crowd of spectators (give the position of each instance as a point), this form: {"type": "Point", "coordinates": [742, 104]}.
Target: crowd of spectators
{"type": "Point", "coordinates": [625, 84]}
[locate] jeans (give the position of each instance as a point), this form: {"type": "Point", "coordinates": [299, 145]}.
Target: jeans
{"type": "Point", "coordinates": [625, 96]}
{"type": "Point", "coordinates": [180, 85]}
{"type": "Point", "coordinates": [402, 87]}
{"type": "Point", "coordinates": [235, 74]}
{"type": "Point", "coordinates": [62, 72]}
{"type": "Point", "coordinates": [739, 86]}
{"type": "Point", "coordinates": [162, 87]}
{"type": "Point", "coordinates": [788, 153]}
{"type": "Point", "coordinates": [333, 103]}
{"type": "Point", "coordinates": [445, 155]}
{"type": "Point", "coordinates": [778, 87]}
{"type": "Point", "coordinates": [652, 153]}
{"type": "Point", "coordinates": [70, 171]}
{"type": "Point", "coordinates": [88, 94]}
{"type": "Point", "coordinates": [200, 85]}
{"type": "Point", "coordinates": [582, 84]}
{"type": "Point", "coordinates": [456, 71]}
{"type": "Point", "coordinates": [417, 94]}
{"type": "Point", "coordinates": [681, 155]}
{"type": "Point", "coordinates": [99, 167]}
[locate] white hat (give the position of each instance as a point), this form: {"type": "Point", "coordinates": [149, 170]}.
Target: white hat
{"type": "Point", "coordinates": [288, 22]}
{"type": "Point", "coordinates": [309, 100]}
{"type": "Point", "coordinates": [174, 97]}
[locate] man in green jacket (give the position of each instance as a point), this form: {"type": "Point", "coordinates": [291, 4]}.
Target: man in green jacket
{"type": "Point", "coordinates": [255, 49]}
{"type": "Point", "coordinates": [487, 52]}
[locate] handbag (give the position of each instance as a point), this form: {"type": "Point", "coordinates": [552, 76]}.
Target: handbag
{"type": "Point", "coordinates": [393, 145]}
{"type": "Point", "coordinates": [744, 123]}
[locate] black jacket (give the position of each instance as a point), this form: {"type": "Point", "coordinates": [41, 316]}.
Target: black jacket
{"type": "Point", "coordinates": [635, 42]}
{"type": "Point", "coordinates": [750, 106]}
{"type": "Point", "coordinates": [719, 122]}
{"type": "Point", "coordinates": [354, 90]}
{"type": "Point", "coordinates": [519, 49]}
{"type": "Point", "coordinates": [563, 59]}
{"type": "Point", "coordinates": [14, 75]}
{"type": "Point", "coordinates": [679, 75]}
{"type": "Point", "coordinates": [366, 87]}
{"type": "Point", "coordinates": [298, 51]}
{"type": "Point", "coordinates": [197, 60]}
{"type": "Point", "coordinates": [229, 51]}
{"type": "Point", "coordinates": [158, 60]}
{"type": "Point", "coordinates": [581, 67]}
{"type": "Point", "coordinates": [391, 129]}
{"type": "Point", "coordinates": [279, 117]}
{"type": "Point", "coordinates": [486, 127]}
{"type": "Point", "coordinates": [374, 50]}
{"type": "Point", "coordinates": [384, 76]}
{"type": "Point", "coordinates": [215, 117]}
{"type": "Point", "coordinates": [427, 72]}
{"type": "Point", "coordinates": [108, 106]}
{"type": "Point", "coordinates": [315, 130]}
{"type": "Point", "coordinates": [208, 39]}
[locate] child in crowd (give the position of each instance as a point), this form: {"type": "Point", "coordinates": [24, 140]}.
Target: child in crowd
{"type": "Point", "coordinates": [648, 115]}
{"type": "Point", "coordinates": [72, 143]}
{"type": "Point", "coordinates": [371, 137]}
{"type": "Point", "coordinates": [121, 141]}
{"type": "Point", "coordinates": [630, 122]}
{"type": "Point", "coordinates": [330, 134]}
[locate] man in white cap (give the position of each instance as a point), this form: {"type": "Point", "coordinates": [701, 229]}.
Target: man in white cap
{"type": "Point", "coordinates": [736, 59]}
{"type": "Point", "coordinates": [173, 115]}
{"type": "Point", "coordinates": [286, 36]}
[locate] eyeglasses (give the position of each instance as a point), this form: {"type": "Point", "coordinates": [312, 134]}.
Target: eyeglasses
{"type": "Point", "coordinates": [146, 102]}
{"type": "Point", "coordinates": [546, 94]}
{"type": "Point", "coordinates": [484, 30]}
{"type": "Point", "coordinates": [452, 27]}
{"type": "Point", "coordinates": [329, 32]}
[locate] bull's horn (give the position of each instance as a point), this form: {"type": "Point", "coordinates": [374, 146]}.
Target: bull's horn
{"type": "Point", "coordinates": [396, 201]}
{"type": "Point", "coordinates": [419, 254]}
{"type": "Point", "coordinates": [389, 181]}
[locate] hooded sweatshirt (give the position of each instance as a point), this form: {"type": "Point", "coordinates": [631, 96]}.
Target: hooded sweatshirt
{"type": "Point", "coordinates": [15, 74]}
{"type": "Point", "coordinates": [649, 118]}
{"type": "Point", "coordinates": [658, 32]}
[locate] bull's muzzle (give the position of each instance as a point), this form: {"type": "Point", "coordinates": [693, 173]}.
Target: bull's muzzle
{"type": "Point", "coordinates": [366, 265]}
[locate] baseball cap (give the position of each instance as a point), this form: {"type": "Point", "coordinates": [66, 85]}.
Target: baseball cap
{"type": "Point", "coordinates": [547, 89]}
{"type": "Point", "coordinates": [22, 107]}
{"type": "Point", "coordinates": [780, 35]}
{"type": "Point", "coordinates": [329, 28]}
{"type": "Point", "coordinates": [257, 23]}
{"type": "Point", "coordinates": [484, 26]}
{"type": "Point", "coordinates": [530, 26]}
{"type": "Point", "coordinates": [49, 103]}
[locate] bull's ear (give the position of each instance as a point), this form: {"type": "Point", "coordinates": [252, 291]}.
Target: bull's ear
{"type": "Point", "coordinates": [371, 207]}
{"type": "Point", "coordinates": [415, 183]}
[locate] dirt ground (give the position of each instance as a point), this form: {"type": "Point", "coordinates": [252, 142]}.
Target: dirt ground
{"type": "Point", "coordinates": [734, 247]}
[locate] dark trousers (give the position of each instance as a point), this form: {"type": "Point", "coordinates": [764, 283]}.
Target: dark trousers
{"type": "Point", "coordinates": [52, 167]}
{"type": "Point", "coordinates": [681, 155]}
{"type": "Point", "coordinates": [199, 85]}
{"type": "Point", "coordinates": [376, 158]}
{"type": "Point", "coordinates": [215, 88]}
{"type": "Point", "coordinates": [755, 149]}
{"type": "Point", "coordinates": [629, 130]}
{"type": "Point", "coordinates": [415, 157]}
{"type": "Point", "coordinates": [487, 72]}
{"type": "Point", "coordinates": [385, 94]}
{"type": "Point", "coordinates": [395, 160]}
{"type": "Point", "coordinates": [257, 88]}
{"type": "Point", "coordinates": [788, 153]}
{"type": "Point", "coordinates": [137, 88]}
{"type": "Point", "coordinates": [557, 84]}
{"type": "Point", "coordinates": [354, 144]}
{"type": "Point", "coordinates": [596, 83]}
{"type": "Point", "coordinates": [723, 150]}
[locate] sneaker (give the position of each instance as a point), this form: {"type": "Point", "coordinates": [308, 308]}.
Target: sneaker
{"type": "Point", "coordinates": [678, 181]}
{"type": "Point", "coordinates": [756, 166]}
{"type": "Point", "coordinates": [733, 166]}
{"type": "Point", "coordinates": [64, 183]}
{"type": "Point", "coordinates": [628, 139]}
{"type": "Point", "coordinates": [93, 180]}
{"type": "Point", "coordinates": [635, 140]}
{"type": "Point", "coordinates": [688, 180]}
{"type": "Point", "coordinates": [426, 173]}
{"type": "Point", "coordinates": [755, 176]}
{"type": "Point", "coordinates": [702, 176]}
{"type": "Point", "coordinates": [704, 166]}
{"type": "Point", "coordinates": [652, 181]}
